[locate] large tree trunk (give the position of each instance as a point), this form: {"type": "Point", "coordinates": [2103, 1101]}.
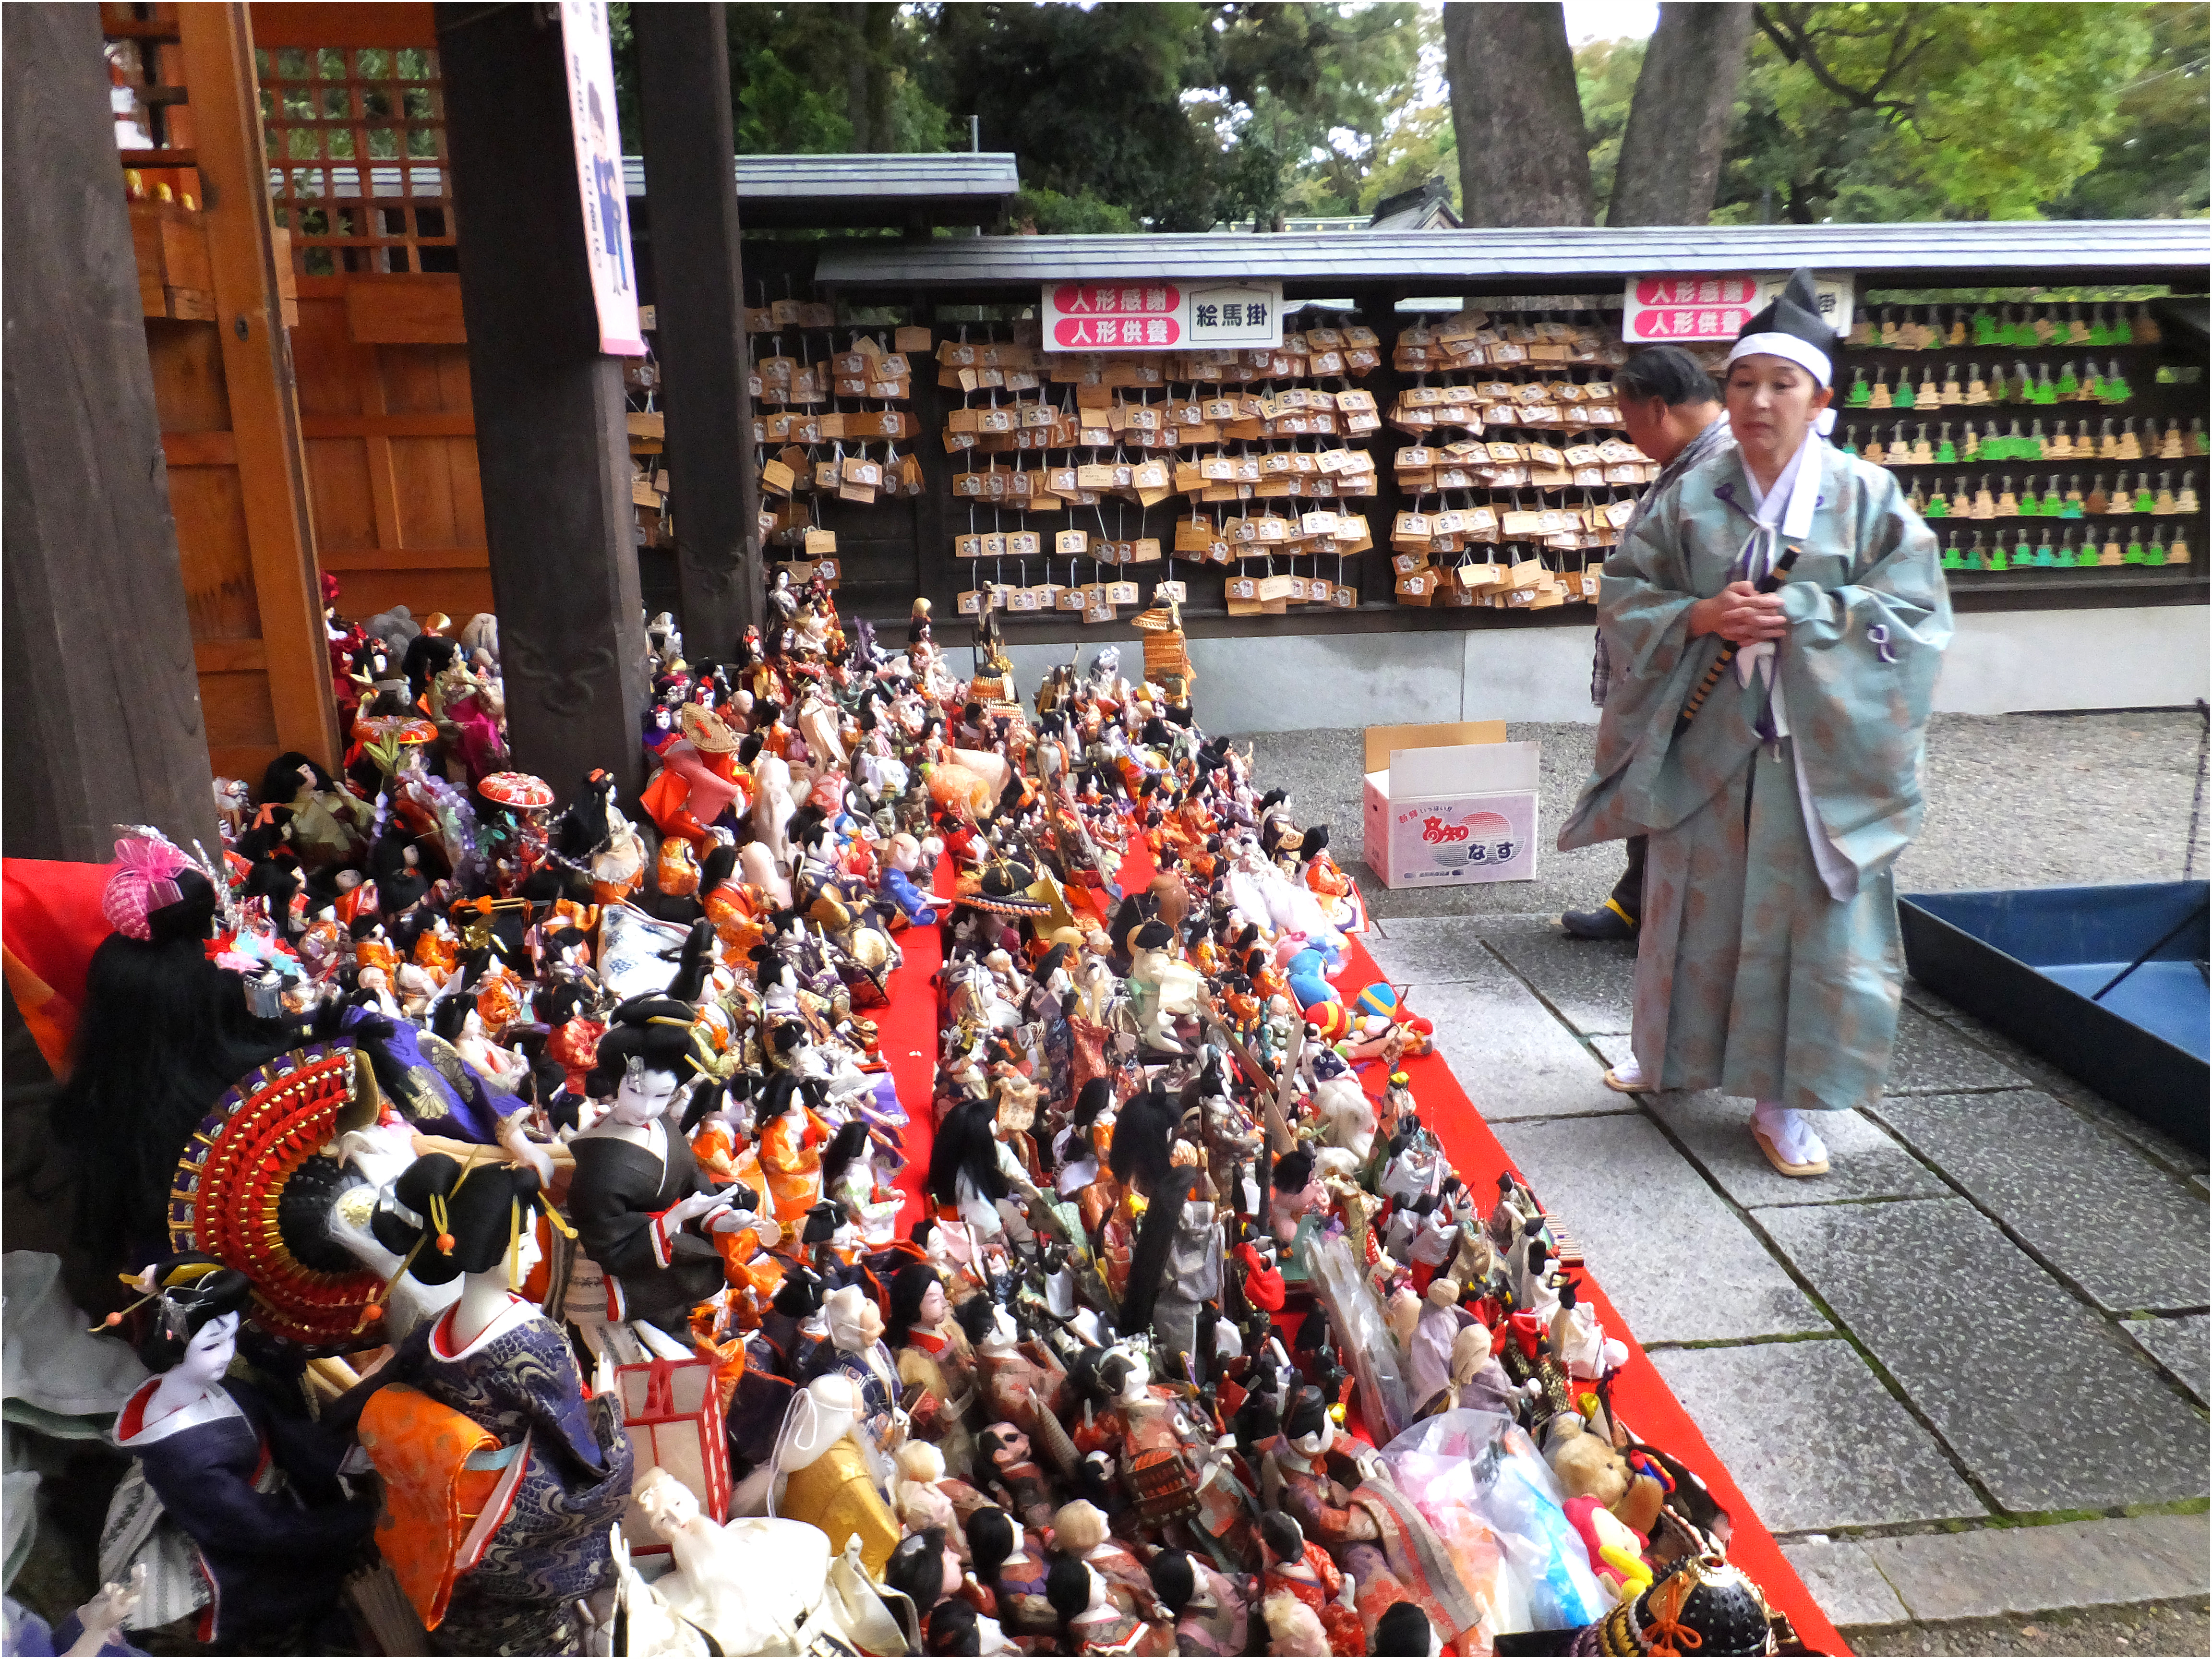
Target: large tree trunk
{"type": "Point", "coordinates": [1517, 115]}
{"type": "Point", "coordinates": [1678, 123]}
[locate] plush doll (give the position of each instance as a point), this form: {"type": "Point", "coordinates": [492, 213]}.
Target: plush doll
{"type": "Point", "coordinates": [1587, 1465]}
{"type": "Point", "coordinates": [261, 1560]}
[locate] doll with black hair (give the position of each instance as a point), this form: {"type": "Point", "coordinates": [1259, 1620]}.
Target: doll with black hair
{"type": "Point", "coordinates": [1211, 1608]}
{"type": "Point", "coordinates": [970, 1171]}
{"type": "Point", "coordinates": [162, 1034]}
{"type": "Point", "coordinates": [330, 822]}
{"type": "Point", "coordinates": [1304, 1572]}
{"type": "Point", "coordinates": [642, 1208]}
{"type": "Point", "coordinates": [790, 1136]}
{"type": "Point", "coordinates": [1010, 1566]}
{"type": "Point", "coordinates": [932, 1354]}
{"type": "Point", "coordinates": [257, 1556]}
{"type": "Point", "coordinates": [559, 1462]}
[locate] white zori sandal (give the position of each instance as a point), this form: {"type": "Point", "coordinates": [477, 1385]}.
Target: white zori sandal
{"type": "Point", "coordinates": [1787, 1139]}
{"type": "Point", "coordinates": [1626, 1079]}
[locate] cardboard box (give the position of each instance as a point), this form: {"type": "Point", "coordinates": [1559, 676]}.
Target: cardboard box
{"type": "Point", "coordinates": [1450, 805]}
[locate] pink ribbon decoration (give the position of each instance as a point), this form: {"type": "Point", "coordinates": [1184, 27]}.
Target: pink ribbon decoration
{"type": "Point", "coordinates": [147, 882]}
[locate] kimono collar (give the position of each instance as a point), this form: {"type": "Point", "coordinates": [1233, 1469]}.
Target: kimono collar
{"type": "Point", "coordinates": [132, 1431]}
{"type": "Point", "coordinates": [1788, 505]}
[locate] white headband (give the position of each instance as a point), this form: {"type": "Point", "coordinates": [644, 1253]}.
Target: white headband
{"type": "Point", "coordinates": [1803, 353]}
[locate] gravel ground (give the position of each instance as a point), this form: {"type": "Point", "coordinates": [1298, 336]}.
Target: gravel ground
{"type": "Point", "coordinates": [2176, 1627]}
{"type": "Point", "coordinates": [2014, 800]}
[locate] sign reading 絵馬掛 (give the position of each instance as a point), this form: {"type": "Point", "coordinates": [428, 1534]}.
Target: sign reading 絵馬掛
{"type": "Point", "coordinates": [1675, 309]}
{"type": "Point", "coordinates": [1155, 313]}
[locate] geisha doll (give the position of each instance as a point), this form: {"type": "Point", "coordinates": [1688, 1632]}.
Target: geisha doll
{"type": "Point", "coordinates": [642, 1208]}
{"type": "Point", "coordinates": [700, 783]}
{"type": "Point", "coordinates": [791, 1140]}
{"type": "Point", "coordinates": [233, 1507]}
{"type": "Point", "coordinates": [480, 1411]}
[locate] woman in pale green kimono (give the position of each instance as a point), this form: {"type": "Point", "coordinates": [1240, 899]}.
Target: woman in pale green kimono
{"type": "Point", "coordinates": [1770, 964]}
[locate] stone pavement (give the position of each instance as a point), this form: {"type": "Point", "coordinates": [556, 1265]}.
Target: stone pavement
{"type": "Point", "coordinates": [1962, 1376]}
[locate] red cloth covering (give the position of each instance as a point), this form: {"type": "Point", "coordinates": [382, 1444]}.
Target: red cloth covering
{"type": "Point", "coordinates": [51, 922]}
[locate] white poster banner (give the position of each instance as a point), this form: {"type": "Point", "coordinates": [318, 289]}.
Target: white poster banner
{"type": "Point", "coordinates": [1673, 309]}
{"type": "Point", "coordinates": [1154, 313]}
{"type": "Point", "coordinates": [589, 53]}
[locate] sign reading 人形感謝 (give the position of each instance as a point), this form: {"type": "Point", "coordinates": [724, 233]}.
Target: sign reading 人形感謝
{"type": "Point", "coordinates": [1155, 314]}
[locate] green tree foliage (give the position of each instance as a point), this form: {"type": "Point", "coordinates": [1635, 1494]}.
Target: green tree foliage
{"type": "Point", "coordinates": [1605, 73]}
{"type": "Point", "coordinates": [1875, 111]}
{"type": "Point", "coordinates": [2159, 169]}
{"type": "Point", "coordinates": [1091, 100]}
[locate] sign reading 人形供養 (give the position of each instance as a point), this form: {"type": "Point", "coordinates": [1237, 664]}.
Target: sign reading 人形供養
{"type": "Point", "coordinates": [1700, 308]}
{"type": "Point", "coordinates": [1155, 314]}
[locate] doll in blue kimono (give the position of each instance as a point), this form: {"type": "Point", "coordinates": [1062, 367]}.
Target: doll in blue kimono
{"type": "Point", "coordinates": [233, 1507]}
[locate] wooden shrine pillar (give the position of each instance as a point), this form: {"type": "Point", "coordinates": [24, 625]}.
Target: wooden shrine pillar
{"type": "Point", "coordinates": [104, 722]}
{"type": "Point", "coordinates": [259, 382]}
{"type": "Point", "coordinates": [690, 180]}
{"type": "Point", "coordinates": [552, 443]}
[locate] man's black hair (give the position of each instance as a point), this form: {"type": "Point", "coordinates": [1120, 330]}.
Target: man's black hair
{"type": "Point", "coordinates": [1668, 372]}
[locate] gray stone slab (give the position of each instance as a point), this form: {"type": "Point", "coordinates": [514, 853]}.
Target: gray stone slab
{"type": "Point", "coordinates": [2124, 1229]}
{"type": "Point", "coordinates": [1842, 1579]}
{"type": "Point", "coordinates": [2048, 1078]}
{"type": "Point", "coordinates": [2020, 1569]}
{"type": "Point", "coordinates": [1425, 950]}
{"type": "Point", "coordinates": [1679, 1265]}
{"type": "Point", "coordinates": [1863, 1162]}
{"type": "Point", "coordinates": [1931, 1058]}
{"type": "Point", "coordinates": [1813, 1439]}
{"type": "Point", "coordinates": [1513, 1058]}
{"type": "Point", "coordinates": [1591, 981]}
{"type": "Point", "coordinates": [2179, 1345]}
{"type": "Point", "coordinates": [2024, 1384]}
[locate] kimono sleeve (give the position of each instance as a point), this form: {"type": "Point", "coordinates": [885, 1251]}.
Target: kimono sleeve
{"type": "Point", "coordinates": [1860, 672]}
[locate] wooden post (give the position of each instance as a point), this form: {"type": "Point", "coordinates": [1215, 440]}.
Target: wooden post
{"type": "Point", "coordinates": [218, 44]}
{"type": "Point", "coordinates": [552, 445]}
{"type": "Point", "coordinates": [684, 90]}
{"type": "Point", "coordinates": [103, 705]}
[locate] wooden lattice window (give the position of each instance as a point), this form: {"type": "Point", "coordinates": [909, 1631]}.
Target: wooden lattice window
{"type": "Point", "coordinates": [358, 168]}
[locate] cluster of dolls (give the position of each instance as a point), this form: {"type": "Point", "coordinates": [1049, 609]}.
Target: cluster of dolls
{"type": "Point", "coordinates": [615, 1102]}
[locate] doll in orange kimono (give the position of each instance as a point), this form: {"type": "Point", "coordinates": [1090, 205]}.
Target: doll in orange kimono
{"type": "Point", "coordinates": [700, 781]}
{"type": "Point", "coordinates": [790, 1141]}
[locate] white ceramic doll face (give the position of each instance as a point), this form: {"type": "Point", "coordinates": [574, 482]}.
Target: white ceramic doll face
{"type": "Point", "coordinates": [934, 1307]}
{"type": "Point", "coordinates": [526, 1252]}
{"type": "Point", "coordinates": [642, 1096]}
{"type": "Point", "coordinates": [208, 1355]}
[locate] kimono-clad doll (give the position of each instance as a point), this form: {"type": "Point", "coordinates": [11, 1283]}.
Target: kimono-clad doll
{"type": "Point", "coordinates": [700, 783]}
{"type": "Point", "coordinates": [856, 1334]}
{"type": "Point", "coordinates": [1009, 1570]}
{"type": "Point", "coordinates": [1212, 1610]}
{"type": "Point", "coordinates": [1369, 1527]}
{"type": "Point", "coordinates": [829, 1473]}
{"type": "Point", "coordinates": [1780, 616]}
{"type": "Point", "coordinates": [791, 1138]}
{"type": "Point", "coordinates": [642, 1209]}
{"type": "Point", "coordinates": [931, 1352]}
{"type": "Point", "coordinates": [330, 822]}
{"type": "Point", "coordinates": [480, 1411]}
{"type": "Point", "coordinates": [1305, 1572]}
{"type": "Point", "coordinates": [212, 1506]}
{"type": "Point", "coordinates": [1093, 1621]}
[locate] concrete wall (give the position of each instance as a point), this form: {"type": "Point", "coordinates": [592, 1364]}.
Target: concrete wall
{"type": "Point", "coordinates": [2000, 662]}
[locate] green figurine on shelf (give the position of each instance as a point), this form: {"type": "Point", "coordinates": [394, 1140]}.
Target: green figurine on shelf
{"type": "Point", "coordinates": [1945, 453]}
{"type": "Point", "coordinates": [1859, 397]}
{"type": "Point", "coordinates": [2115, 388]}
{"type": "Point", "coordinates": [1951, 561]}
